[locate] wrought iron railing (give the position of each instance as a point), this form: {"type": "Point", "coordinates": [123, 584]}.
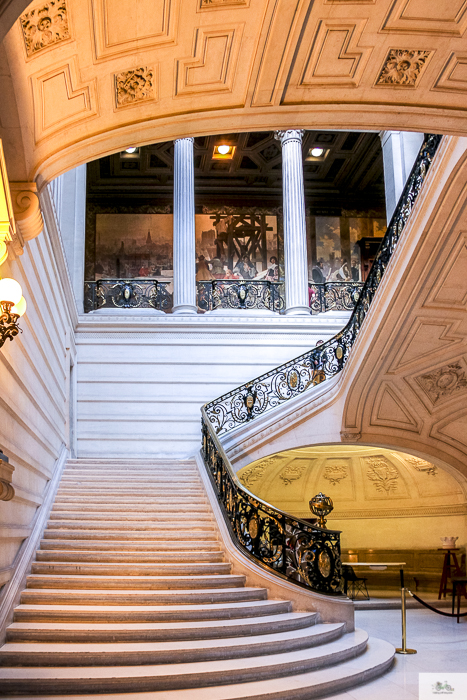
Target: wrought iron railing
{"type": "Point", "coordinates": [291, 547]}
{"type": "Point", "coordinates": [334, 296]}
{"type": "Point", "coordinates": [241, 294]}
{"type": "Point", "coordinates": [127, 294]}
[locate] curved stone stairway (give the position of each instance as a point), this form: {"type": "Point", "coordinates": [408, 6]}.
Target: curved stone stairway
{"type": "Point", "coordinates": [130, 594]}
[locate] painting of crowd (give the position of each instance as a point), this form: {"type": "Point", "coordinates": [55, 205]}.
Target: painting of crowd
{"type": "Point", "coordinates": [231, 247]}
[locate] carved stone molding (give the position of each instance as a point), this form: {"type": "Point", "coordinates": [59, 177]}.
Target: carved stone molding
{"type": "Point", "coordinates": [7, 491]}
{"type": "Point", "coordinates": [443, 382]}
{"type": "Point", "coordinates": [350, 435]}
{"type": "Point", "coordinates": [213, 4]}
{"type": "Point", "coordinates": [134, 86]}
{"type": "Point", "coordinates": [27, 210]}
{"type": "Point", "coordinates": [45, 26]}
{"type": "Point", "coordinates": [403, 67]}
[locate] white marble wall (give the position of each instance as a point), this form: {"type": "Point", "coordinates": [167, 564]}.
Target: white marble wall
{"type": "Point", "coordinates": [141, 383]}
{"type": "Point", "coordinates": [34, 391]}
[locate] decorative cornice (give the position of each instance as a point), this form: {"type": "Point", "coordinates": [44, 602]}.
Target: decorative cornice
{"type": "Point", "coordinates": [7, 491]}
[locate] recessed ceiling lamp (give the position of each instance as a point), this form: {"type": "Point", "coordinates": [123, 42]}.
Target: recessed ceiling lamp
{"type": "Point", "coordinates": [223, 151]}
{"type": "Point", "coordinates": [317, 153]}
{"type": "Point", "coordinates": [131, 149]}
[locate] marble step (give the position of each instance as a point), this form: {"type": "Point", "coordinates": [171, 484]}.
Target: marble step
{"type": "Point", "coordinates": [131, 525]}
{"type": "Point", "coordinates": [55, 568]}
{"type": "Point", "coordinates": [377, 658]}
{"type": "Point", "coordinates": [153, 480]}
{"type": "Point", "coordinates": [128, 545]}
{"type": "Point", "coordinates": [129, 508]}
{"type": "Point", "coordinates": [150, 501]}
{"type": "Point", "coordinates": [123, 516]}
{"type": "Point", "coordinates": [131, 534]}
{"type": "Point", "coordinates": [101, 557]}
{"type": "Point", "coordinates": [134, 582]}
{"type": "Point", "coordinates": [156, 631]}
{"type": "Point", "coordinates": [166, 652]}
{"type": "Point", "coordinates": [150, 613]}
{"type": "Point", "coordinates": [141, 597]}
{"type": "Point", "coordinates": [162, 677]}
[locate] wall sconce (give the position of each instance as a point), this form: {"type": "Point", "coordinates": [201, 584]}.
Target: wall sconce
{"type": "Point", "coordinates": [12, 306]}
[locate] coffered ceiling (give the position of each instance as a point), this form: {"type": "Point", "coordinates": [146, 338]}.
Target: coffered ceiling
{"type": "Point", "coordinates": [346, 173]}
{"type": "Point", "coordinates": [84, 78]}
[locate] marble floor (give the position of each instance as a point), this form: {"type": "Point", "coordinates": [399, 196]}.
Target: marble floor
{"type": "Point", "coordinates": [441, 644]}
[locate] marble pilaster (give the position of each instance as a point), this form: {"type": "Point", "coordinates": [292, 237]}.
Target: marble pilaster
{"type": "Point", "coordinates": [184, 252]}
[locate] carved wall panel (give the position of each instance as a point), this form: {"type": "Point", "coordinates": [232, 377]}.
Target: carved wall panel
{"type": "Point", "coordinates": [292, 472]}
{"type": "Point", "coordinates": [453, 77]}
{"type": "Point", "coordinates": [219, 4]}
{"type": "Point", "coordinates": [392, 410]}
{"type": "Point", "coordinates": [428, 17]}
{"type": "Point", "coordinates": [45, 26]}
{"type": "Point", "coordinates": [280, 26]}
{"type": "Point", "coordinates": [426, 339]}
{"type": "Point", "coordinates": [134, 86]}
{"type": "Point", "coordinates": [384, 478]}
{"type": "Point", "coordinates": [61, 100]}
{"type": "Point", "coordinates": [450, 289]}
{"type": "Point", "coordinates": [403, 67]}
{"type": "Point", "coordinates": [335, 57]}
{"type": "Point", "coordinates": [329, 55]}
{"type": "Point", "coordinates": [212, 66]}
{"type": "Point", "coordinates": [143, 24]}
{"type": "Point", "coordinates": [421, 465]}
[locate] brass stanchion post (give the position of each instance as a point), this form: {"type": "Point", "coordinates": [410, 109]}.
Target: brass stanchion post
{"type": "Point", "coordinates": [403, 649]}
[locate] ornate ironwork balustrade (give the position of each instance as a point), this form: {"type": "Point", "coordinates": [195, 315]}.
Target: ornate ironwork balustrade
{"type": "Point", "coordinates": [291, 547]}
{"type": "Point", "coordinates": [241, 294]}
{"type": "Point", "coordinates": [334, 296]}
{"type": "Point", "coordinates": [127, 294]}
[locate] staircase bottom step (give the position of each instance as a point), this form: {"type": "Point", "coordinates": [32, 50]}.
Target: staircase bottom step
{"type": "Point", "coordinates": [302, 685]}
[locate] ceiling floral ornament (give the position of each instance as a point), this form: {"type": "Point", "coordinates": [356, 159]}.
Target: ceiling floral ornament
{"type": "Point", "coordinates": [403, 67]}
{"type": "Point", "coordinates": [291, 473]}
{"type": "Point", "coordinates": [443, 382]}
{"type": "Point", "coordinates": [255, 472]}
{"type": "Point", "coordinates": [421, 465]}
{"type": "Point", "coordinates": [335, 473]}
{"type": "Point", "coordinates": [45, 26]}
{"type": "Point", "coordinates": [383, 474]}
{"type": "Point", "coordinates": [133, 86]}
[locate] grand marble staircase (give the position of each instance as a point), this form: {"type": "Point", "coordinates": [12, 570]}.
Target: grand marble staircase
{"type": "Point", "coordinates": [130, 593]}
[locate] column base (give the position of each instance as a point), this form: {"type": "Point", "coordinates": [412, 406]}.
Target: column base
{"type": "Point", "coordinates": [186, 309]}
{"type": "Point", "coordinates": [298, 311]}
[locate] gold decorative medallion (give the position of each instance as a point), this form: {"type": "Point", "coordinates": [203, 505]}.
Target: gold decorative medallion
{"type": "Point", "coordinates": [324, 564]}
{"type": "Point", "coordinates": [293, 379]}
{"type": "Point", "coordinates": [253, 528]}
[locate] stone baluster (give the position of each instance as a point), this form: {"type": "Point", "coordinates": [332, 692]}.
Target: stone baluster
{"type": "Point", "coordinates": [184, 229]}
{"type": "Point", "coordinates": [295, 253]}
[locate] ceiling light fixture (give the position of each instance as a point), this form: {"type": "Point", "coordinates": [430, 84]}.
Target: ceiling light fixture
{"type": "Point", "coordinates": [223, 152]}
{"type": "Point", "coordinates": [223, 149]}
{"type": "Point", "coordinates": [131, 149]}
{"type": "Point", "coordinates": [317, 152]}
{"type": "Point", "coordinates": [12, 306]}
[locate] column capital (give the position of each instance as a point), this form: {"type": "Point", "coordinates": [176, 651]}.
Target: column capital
{"type": "Point", "coordinates": [289, 135]}
{"type": "Point", "coordinates": [191, 139]}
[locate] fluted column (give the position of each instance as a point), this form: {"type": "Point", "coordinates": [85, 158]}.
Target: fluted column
{"type": "Point", "coordinates": [184, 228]}
{"type": "Point", "coordinates": [296, 268]}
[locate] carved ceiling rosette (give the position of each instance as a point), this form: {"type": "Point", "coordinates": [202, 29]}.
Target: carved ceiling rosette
{"type": "Point", "coordinates": [134, 86]}
{"type": "Point", "coordinates": [403, 67]}
{"type": "Point", "coordinates": [45, 26]}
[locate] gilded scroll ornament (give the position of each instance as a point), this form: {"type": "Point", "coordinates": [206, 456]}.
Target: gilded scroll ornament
{"type": "Point", "coordinates": [444, 381]}
{"type": "Point", "coordinates": [403, 67]}
{"type": "Point", "coordinates": [45, 26]}
{"type": "Point", "coordinates": [421, 465]}
{"type": "Point", "coordinates": [291, 473]}
{"type": "Point", "coordinates": [133, 86]}
{"type": "Point", "coordinates": [334, 473]}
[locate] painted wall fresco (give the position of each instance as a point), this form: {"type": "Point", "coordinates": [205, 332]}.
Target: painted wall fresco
{"type": "Point", "coordinates": [237, 245]}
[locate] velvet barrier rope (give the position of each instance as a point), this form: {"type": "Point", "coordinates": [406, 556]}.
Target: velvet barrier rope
{"type": "Point", "coordinates": [430, 607]}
